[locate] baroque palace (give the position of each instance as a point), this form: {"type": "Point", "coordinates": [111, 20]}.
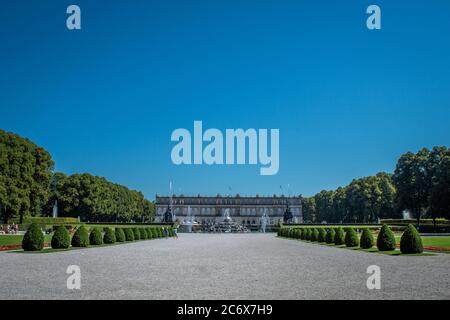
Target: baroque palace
{"type": "Point", "coordinates": [244, 210]}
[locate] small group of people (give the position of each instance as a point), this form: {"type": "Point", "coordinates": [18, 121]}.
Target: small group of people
{"type": "Point", "coordinates": [167, 233]}
{"type": "Point", "coordinates": [9, 229]}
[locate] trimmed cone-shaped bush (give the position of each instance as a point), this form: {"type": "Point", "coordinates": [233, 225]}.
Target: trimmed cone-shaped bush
{"type": "Point", "coordinates": [386, 239]}
{"type": "Point", "coordinates": [339, 237]}
{"type": "Point", "coordinates": [329, 238]}
{"type": "Point", "coordinates": [298, 234]}
{"type": "Point", "coordinates": [143, 233]}
{"type": "Point", "coordinates": [160, 232]}
{"type": "Point", "coordinates": [80, 238]}
{"type": "Point", "coordinates": [120, 235]}
{"type": "Point", "coordinates": [33, 240]}
{"type": "Point", "coordinates": [411, 242]}
{"type": "Point", "coordinates": [129, 234]}
{"type": "Point", "coordinates": [303, 235]}
{"type": "Point", "coordinates": [314, 235]}
{"type": "Point", "coordinates": [95, 238]}
{"type": "Point", "coordinates": [149, 233]}
{"type": "Point", "coordinates": [309, 234]}
{"type": "Point", "coordinates": [109, 236]}
{"type": "Point", "coordinates": [137, 234]}
{"type": "Point", "coordinates": [61, 238]}
{"type": "Point", "coordinates": [351, 238]}
{"type": "Point", "coordinates": [366, 240]}
{"type": "Point", "coordinates": [322, 234]}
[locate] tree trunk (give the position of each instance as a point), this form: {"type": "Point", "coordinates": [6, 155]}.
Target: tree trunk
{"type": "Point", "coordinates": [21, 218]}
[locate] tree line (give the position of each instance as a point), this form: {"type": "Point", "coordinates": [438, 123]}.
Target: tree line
{"type": "Point", "coordinates": [420, 185]}
{"type": "Point", "coordinates": [28, 187]}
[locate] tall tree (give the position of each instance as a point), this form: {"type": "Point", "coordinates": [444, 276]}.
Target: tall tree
{"type": "Point", "coordinates": [412, 180]}
{"type": "Point", "coordinates": [25, 173]}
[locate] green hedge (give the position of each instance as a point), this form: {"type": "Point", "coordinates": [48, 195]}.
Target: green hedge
{"type": "Point", "coordinates": [136, 233]}
{"type": "Point", "coordinates": [386, 239]}
{"type": "Point", "coordinates": [366, 240]}
{"type": "Point", "coordinates": [351, 238]}
{"type": "Point", "coordinates": [129, 234]}
{"type": "Point", "coordinates": [81, 237]}
{"type": "Point", "coordinates": [95, 238]}
{"type": "Point", "coordinates": [329, 238]}
{"type": "Point", "coordinates": [33, 240]}
{"type": "Point", "coordinates": [120, 235]}
{"type": "Point", "coordinates": [110, 236]}
{"type": "Point", "coordinates": [322, 235]}
{"type": "Point", "coordinates": [411, 242]}
{"type": "Point", "coordinates": [61, 238]}
{"type": "Point", "coordinates": [143, 234]}
{"type": "Point", "coordinates": [339, 238]}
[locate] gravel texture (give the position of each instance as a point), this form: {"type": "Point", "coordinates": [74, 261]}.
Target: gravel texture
{"type": "Point", "coordinates": [222, 266]}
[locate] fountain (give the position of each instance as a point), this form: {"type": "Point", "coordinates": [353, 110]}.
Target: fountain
{"type": "Point", "coordinates": [227, 225]}
{"type": "Point", "coordinates": [264, 221]}
{"type": "Point", "coordinates": [406, 215]}
{"type": "Point", "coordinates": [55, 209]}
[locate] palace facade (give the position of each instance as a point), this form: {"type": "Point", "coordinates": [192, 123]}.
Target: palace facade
{"type": "Point", "coordinates": [244, 210]}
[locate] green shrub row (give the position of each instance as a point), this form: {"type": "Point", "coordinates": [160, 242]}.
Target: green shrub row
{"type": "Point", "coordinates": [34, 238]}
{"type": "Point", "coordinates": [410, 242]}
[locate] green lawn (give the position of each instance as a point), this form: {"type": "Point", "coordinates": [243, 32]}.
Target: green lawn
{"type": "Point", "coordinates": [17, 239]}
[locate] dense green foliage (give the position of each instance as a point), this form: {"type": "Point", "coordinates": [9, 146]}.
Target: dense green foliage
{"type": "Point", "coordinates": [303, 234]}
{"type": "Point", "coordinates": [129, 234]}
{"type": "Point", "coordinates": [120, 235]}
{"type": "Point", "coordinates": [411, 242]}
{"type": "Point", "coordinates": [136, 233]}
{"type": "Point", "coordinates": [33, 239]}
{"type": "Point", "coordinates": [423, 182]}
{"type": "Point", "coordinates": [363, 200]}
{"type": "Point", "coordinates": [96, 199]}
{"type": "Point", "coordinates": [143, 233]}
{"type": "Point", "coordinates": [308, 234]}
{"type": "Point", "coordinates": [314, 235]}
{"type": "Point", "coordinates": [95, 237]}
{"type": "Point", "coordinates": [109, 236]}
{"type": "Point", "coordinates": [351, 238]}
{"type": "Point", "coordinates": [25, 175]}
{"type": "Point", "coordinates": [386, 239]}
{"type": "Point", "coordinates": [61, 238]}
{"type": "Point", "coordinates": [366, 240]}
{"type": "Point", "coordinates": [321, 235]}
{"type": "Point", "coordinates": [329, 238]}
{"type": "Point", "coordinates": [150, 233]}
{"type": "Point", "coordinates": [81, 237]}
{"type": "Point", "coordinates": [339, 237]}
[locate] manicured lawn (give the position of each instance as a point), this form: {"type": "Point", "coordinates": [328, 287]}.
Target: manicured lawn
{"type": "Point", "coordinates": [436, 241]}
{"type": "Point", "coordinates": [17, 239]}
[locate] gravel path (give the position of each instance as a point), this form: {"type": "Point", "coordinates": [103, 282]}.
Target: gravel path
{"type": "Point", "coordinates": [226, 266]}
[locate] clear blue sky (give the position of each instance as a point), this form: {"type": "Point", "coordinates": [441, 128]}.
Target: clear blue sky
{"type": "Point", "coordinates": [348, 101]}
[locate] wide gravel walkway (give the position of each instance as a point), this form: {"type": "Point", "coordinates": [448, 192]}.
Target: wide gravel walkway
{"type": "Point", "coordinates": [222, 266]}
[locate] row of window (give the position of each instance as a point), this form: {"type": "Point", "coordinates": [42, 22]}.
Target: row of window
{"type": "Point", "coordinates": [233, 211]}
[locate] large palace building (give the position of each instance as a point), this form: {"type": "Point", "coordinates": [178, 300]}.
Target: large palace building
{"type": "Point", "coordinates": [244, 210]}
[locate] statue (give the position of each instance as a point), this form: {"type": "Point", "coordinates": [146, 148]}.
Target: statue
{"type": "Point", "coordinates": [168, 218]}
{"type": "Point", "coordinates": [287, 218]}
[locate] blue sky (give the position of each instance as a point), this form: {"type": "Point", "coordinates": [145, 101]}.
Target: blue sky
{"type": "Point", "coordinates": [105, 99]}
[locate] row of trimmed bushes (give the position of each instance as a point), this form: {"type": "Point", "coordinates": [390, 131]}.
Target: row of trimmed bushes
{"type": "Point", "coordinates": [410, 242]}
{"type": "Point", "coordinates": [34, 239]}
